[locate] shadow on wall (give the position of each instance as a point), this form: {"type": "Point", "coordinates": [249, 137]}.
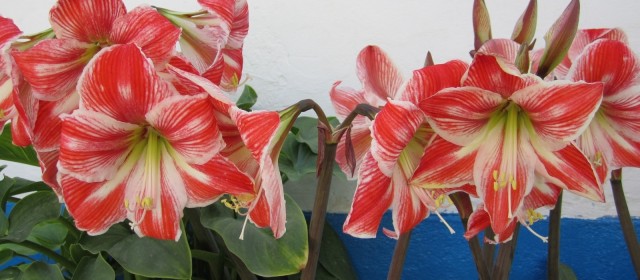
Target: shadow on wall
{"type": "Point", "coordinates": [595, 249]}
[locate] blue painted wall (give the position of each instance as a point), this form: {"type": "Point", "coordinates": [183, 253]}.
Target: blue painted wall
{"type": "Point", "coordinates": [595, 249]}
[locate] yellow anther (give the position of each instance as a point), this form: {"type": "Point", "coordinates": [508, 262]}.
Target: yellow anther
{"type": "Point", "coordinates": [495, 186]}
{"type": "Point", "coordinates": [147, 203]}
{"type": "Point", "coordinates": [126, 203]}
{"type": "Point", "coordinates": [514, 184]}
{"type": "Point", "coordinates": [495, 175]}
{"type": "Point", "coordinates": [533, 216]}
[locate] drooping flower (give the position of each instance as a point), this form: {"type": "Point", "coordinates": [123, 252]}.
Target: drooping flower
{"type": "Point", "coordinates": [399, 137]}
{"type": "Point", "coordinates": [381, 80]}
{"type": "Point", "coordinates": [137, 150]}
{"type": "Point", "coordinates": [510, 130]}
{"type": "Point", "coordinates": [212, 39]}
{"type": "Point", "coordinates": [612, 139]}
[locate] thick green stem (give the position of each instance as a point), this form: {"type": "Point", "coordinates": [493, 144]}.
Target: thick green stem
{"type": "Point", "coordinates": [506, 251]}
{"type": "Point", "coordinates": [210, 259]}
{"type": "Point", "coordinates": [68, 264]}
{"type": "Point", "coordinates": [240, 267]}
{"type": "Point", "coordinates": [626, 223]}
{"type": "Point", "coordinates": [553, 256]}
{"type": "Point", "coordinates": [202, 234]}
{"type": "Point", "coordinates": [399, 255]}
{"type": "Point", "coordinates": [462, 201]}
{"type": "Point", "coordinates": [316, 225]}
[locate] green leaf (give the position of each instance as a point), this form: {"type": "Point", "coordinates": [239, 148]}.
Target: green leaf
{"type": "Point", "coordinates": [22, 185]}
{"type": "Point", "coordinates": [5, 188]}
{"type": "Point", "coordinates": [94, 268]}
{"type": "Point", "coordinates": [5, 256]}
{"type": "Point", "coordinates": [10, 273]}
{"type": "Point", "coordinates": [50, 234]}
{"type": "Point", "coordinates": [40, 270]}
{"type": "Point", "coordinates": [247, 99]}
{"type": "Point", "coordinates": [10, 152]}
{"type": "Point", "coordinates": [104, 242]}
{"type": "Point", "coordinates": [296, 159]}
{"type": "Point", "coordinates": [334, 257]}
{"type": "Point", "coordinates": [306, 131]}
{"type": "Point", "coordinates": [566, 273]}
{"type": "Point", "coordinates": [4, 224]}
{"type": "Point", "coordinates": [76, 253]}
{"type": "Point", "coordinates": [143, 256]}
{"type": "Point", "coordinates": [260, 251]}
{"type": "Point", "coordinates": [30, 211]}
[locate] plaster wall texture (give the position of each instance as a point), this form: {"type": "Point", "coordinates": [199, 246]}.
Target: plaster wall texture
{"type": "Point", "coordinates": [297, 49]}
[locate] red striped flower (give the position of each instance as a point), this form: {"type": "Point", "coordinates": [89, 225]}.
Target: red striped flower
{"type": "Point", "coordinates": [136, 149]}
{"type": "Point", "coordinates": [510, 130]}
{"type": "Point", "coordinates": [399, 136]}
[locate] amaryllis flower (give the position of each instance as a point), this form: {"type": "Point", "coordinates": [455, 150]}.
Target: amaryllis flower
{"type": "Point", "coordinates": [612, 139]}
{"type": "Point", "coordinates": [510, 130]}
{"type": "Point", "coordinates": [399, 137]}
{"type": "Point", "coordinates": [82, 28]}
{"type": "Point", "coordinates": [254, 140]}
{"type": "Point", "coordinates": [212, 39]}
{"type": "Point", "coordinates": [137, 150]}
{"type": "Point", "coordinates": [381, 80]}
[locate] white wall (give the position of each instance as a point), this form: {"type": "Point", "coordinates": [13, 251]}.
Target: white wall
{"type": "Point", "coordinates": [296, 49]}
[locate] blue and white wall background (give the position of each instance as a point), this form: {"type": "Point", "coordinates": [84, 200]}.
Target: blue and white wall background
{"type": "Point", "coordinates": [296, 49]}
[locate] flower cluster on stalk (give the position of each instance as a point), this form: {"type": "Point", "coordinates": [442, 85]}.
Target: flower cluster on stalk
{"type": "Point", "coordinates": [492, 128]}
{"type": "Point", "coordinates": [126, 126]}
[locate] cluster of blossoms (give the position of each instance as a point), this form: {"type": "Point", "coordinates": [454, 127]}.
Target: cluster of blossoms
{"type": "Point", "coordinates": [127, 127]}
{"type": "Point", "coordinates": [491, 129]}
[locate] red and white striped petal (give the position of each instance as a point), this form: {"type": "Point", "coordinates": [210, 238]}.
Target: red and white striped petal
{"type": "Point", "coordinates": [240, 25]}
{"type": "Point", "coordinates": [46, 129]}
{"type": "Point", "coordinates": [429, 80]}
{"type": "Point", "coordinates": [149, 30]}
{"type": "Point", "coordinates": [26, 107]}
{"type": "Point", "coordinates": [559, 111]}
{"type": "Point", "coordinates": [8, 32]}
{"type": "Point", "coordinates": [156, 180]}
{"type": "Point", "coordinates": [93, 146]}
{"type": "Point", "coordinates": [371, 200]}
{"type": "Point", "coordinates": [120, 82]}
{"type": "Point", "coordinates": [196, 84]}
{"type": "Point", "coordinates": [94, 206]}
{"type": "Point", "coordinates": [570, 169]}
{"type": "Point", "coordinates": [380, 77]}
{"type": "Point", "coordinates": [495, 74]}
{"type": "Point", "coordinates": [610, 62]}
{"type": "Point", "coordinates": [188, 124]}
{"type": "Point", "coordinates": [226, 69]}
{"type": "Point", "coordinates": [504, 173]}
{"type": "Point", "coordinates": [205, 183]}
{"type": "Point", "coordinates": [542, 195]}
{"type": "Point", "coordinates": [506, 49]}
{"type": "Point", "coordinates": [459, 115]}
{"type": "Point", "coordinates": [392, 129]}
{"type": "Point", "coordinates": [478, 221]}
{"type": "Point", "coordinates": [259, 213]}
{"type": "Point", "coordinates": [271, 186]}
{"type": "Point", "coordinates": [584, 37]}
{"type": "Point", "coordinates": [444, 165]}
{"type": "Point", "coordinates": [48, 161]}
{"type": "Point", "coordinates": [257, 129]}
{"type": "Point", "coordinates": [85, 20]}
{"type": "Point", "coordinates": [20, 133]}
{"type": "Point", "coordinates": [53, 66]}
{"type": "Point", "coordinates": [408, 209]}
{"type": "Point", "coordinates": [345, 99]}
